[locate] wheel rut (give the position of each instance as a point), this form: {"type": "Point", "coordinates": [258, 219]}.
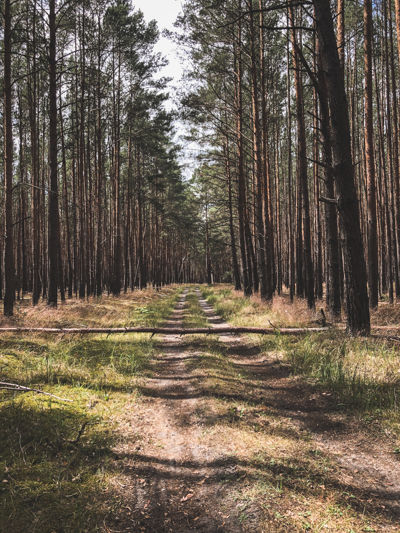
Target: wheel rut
{"type": "Point", "coordinates": [176, 477]}
{"type": "Point", "coordinates": [172, 482]}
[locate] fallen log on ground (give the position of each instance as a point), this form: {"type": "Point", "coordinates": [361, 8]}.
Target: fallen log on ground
{"type": "Point", "coordinates": [234, 330]}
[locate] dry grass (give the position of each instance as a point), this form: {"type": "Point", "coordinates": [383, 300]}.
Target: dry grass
{"type": "Point", "coordinates": [279, 479]}
{"type": "Point", "coordinates": [49, 473]}
{"type": "Point", "coordinates": [363, 372]}
{"type": "Point", "coordinates": [126, 310]}
{"type": "Point", "coordinates": [240, 311]}
{"type": "Point", "coordinates": [386, 315]}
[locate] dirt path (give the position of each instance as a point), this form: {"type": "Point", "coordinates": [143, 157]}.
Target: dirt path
{"type": "Point", "coordinates": [203, 445]}
{"type": "Point", "coordinates": [172, 483]}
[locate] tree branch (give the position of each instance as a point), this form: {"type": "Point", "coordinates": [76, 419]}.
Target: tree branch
{"type": "Point", "coordinates": [328, 200]}
{"type": "Point", "coordinates": [21, 388]}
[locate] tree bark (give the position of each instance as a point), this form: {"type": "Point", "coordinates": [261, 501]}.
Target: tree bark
{"type": "Point", "coordinates": [303, 245]}
{"type": "Point", "coordinates": [370, 160]}
{"type": "Point", "coordinates": [247, 286]}
{"type": "Point", "coordinates": [358, 318]}
{"type": "Point", "coordinates": [53, 213]}
{"type": "Point", "coordinates": [9, 267]}
{"type": "Point", "coordinates": [265, 283]}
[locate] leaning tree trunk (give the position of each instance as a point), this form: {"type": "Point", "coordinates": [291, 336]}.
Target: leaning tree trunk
{"type": "Point", "coordinates": [358, 318]}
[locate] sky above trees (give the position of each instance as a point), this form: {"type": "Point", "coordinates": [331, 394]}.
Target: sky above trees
{"type": "Point", "coordinates": [165, 13]}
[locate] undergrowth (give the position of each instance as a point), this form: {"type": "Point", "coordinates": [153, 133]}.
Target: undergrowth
{"type": "Point", "coordinates": [57, 460]}
{"type": "Point", "coordinates": [364, 373]}
{"type": "Point", "coordinates": [240, 311]}
{"type": "Point", "coordinates": [147, 307]}
{"type": "Point", "coordinates": [56, 457]}
{"type": "Point", "coordinates": [278, 479]}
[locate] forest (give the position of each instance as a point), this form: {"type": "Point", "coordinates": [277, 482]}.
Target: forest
{"type": "Point", "coordinates": [200, 277]}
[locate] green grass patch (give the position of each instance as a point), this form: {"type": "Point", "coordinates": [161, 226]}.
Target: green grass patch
{"type": "Point", "coordinates": [194, 316]}
{"type": "Point", "coordinates": [272, 464]}
{"type": "Point", "coordinates": [223, 302]}
{"type": "Point", "coordinates": [57, 457]}
{"type": "Point", "coordinates": [363, 372]}
{"type": "Point", "coordinates": [156, 311]}
{"type": "Point", "coordinates": [50, 477]}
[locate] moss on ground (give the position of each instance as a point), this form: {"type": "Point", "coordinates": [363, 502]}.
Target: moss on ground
{"type": "Point", "coordinates": [57, 457]}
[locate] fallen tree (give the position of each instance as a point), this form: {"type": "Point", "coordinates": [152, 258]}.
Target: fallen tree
{"type": "Point", "coordinates": [215, 330]}
{"type": "Point", "coordinates": [169, 331]}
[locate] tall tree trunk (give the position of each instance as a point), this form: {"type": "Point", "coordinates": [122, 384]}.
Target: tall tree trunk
{"type": "Point", "coordinates": [117, 250]}
{"type": "Point", "coordinates": [292, 275]}
{"type": "Point", "coordinates": [340, 31]}
{"type": "Point", "coordinates": [235, 263]}
{"type": "Point", "coordinates": [22, 197]}
{"type": "Point", "coordinates": [302, 178]}
{"type": "Point", "coordinates": [370, 160]}
{"type": "Point", "coordinates": [99, 199]}
{"type": "Point", "coordinates": [358, 318]}
{"type": "Point", "coordinates": [333, 283]}
{"type": "Point", "coordinates": [266, 171]}
{"type": "Point", "coordinates": [65, 202]}
{"type": "Point", "coordinates": [395, 203]}
{"type": "Point", "coordinates": [35, 179]}
{"type": "Point", "coordinates": [53, 213]}
{"type": "Point", "coordinates": [265, 283]}
{"type": "Point", "coordinates": [9, 267]}
{"type": "Point", "coordinates": [247, 285]}
{"type": "Point", "coordinates": [82, 184]}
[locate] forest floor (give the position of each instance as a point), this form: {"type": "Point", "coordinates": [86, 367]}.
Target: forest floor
{"type": "Point", "coordinates": [208, 434]}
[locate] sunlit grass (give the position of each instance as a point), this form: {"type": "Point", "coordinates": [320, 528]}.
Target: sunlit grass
{"type": "Point", "coordinates": [48, 475]}
{"type": "Point", "coordinates": [145, 307]}
{"type": "Point", "coordinates": [56, 457]}
{"type": "Point", "coordinates": [58, 463]}
{"type": "Point", "coordinates": [240, 311]}
{"type": "Point", "coordinates": [194, 316]}
{"type": "Point", "coordinates": [279, 480]}
{"type": "Point", "coordinates": [364, 373]}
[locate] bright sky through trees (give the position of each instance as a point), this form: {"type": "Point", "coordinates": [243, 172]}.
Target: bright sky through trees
{"type": "Point", "coordinates": [165, 13]}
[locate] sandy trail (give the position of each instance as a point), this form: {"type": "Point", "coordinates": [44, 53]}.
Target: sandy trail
{"type": "Point", "coordinates": [172, 481]}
